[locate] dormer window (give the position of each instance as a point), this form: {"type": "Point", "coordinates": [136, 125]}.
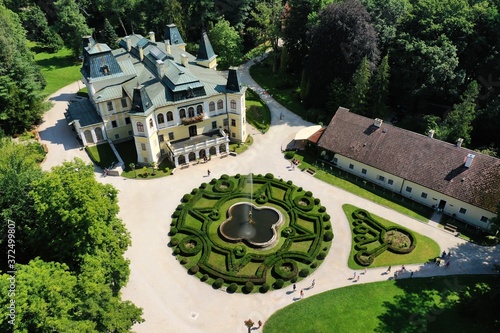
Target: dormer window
{"type": "Point", "coordinates": [105, 69]}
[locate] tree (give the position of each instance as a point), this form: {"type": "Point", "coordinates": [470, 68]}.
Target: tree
{"type": "Point", "coordinates": [360, 86]}
{"type": "Point", "coordinates": [71, 25]}
{"type": "Point", "coordinates": [380, 89]}
{"type": "Point", "coordinates": [77, 217]}
{"type": "Point", "coordinates": [35, 23]}
{"type": "Point", "coordinates": [339, 42]}
{"type": "Point", "coordinates": [267, 15]}
{"type": "Point", "coordinates": [227, 44]}
{"type": "Point", "coordinates": [154, 15]}
{"type": "Point", "coordinates": [21, 81]}
{"type": "Point", "coordinates": [108, 35]}
{"type": "Point", "coordinates": [337, 96]}
{"type": "Point", "coordinates": [458, 123]}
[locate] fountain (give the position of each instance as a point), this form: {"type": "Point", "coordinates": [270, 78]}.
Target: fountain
{"type": "Point", "coordinates": [258, 226]}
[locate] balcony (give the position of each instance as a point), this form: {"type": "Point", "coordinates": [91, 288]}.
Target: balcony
{"type": "Point", "coordinates": [196, 143]}
{"type": "Point", "coordinates": [193, 120]}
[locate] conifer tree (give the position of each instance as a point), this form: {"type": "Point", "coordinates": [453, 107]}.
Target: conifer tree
{"type": "Point", "coordinates": [360, 86]}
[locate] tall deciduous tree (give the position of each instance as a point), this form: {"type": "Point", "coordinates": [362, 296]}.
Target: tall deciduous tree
{"type": "Point", "coordinates": [360, 86]}
{"type": "Point", "coordinates": [71, 25]}
{"type": "Point", "coordinates": [21, 82]}
{"type": "Point", "coordinates": [154, 15]}
{"type": "Point", "coordinates": [267, 15]}
{"type": "Point", "coordinates": [340, 40]}
{"type": "Point", "coordinates": [227, 44]}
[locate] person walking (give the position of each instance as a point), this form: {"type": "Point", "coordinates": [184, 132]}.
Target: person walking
{"type": "Point", "coordinates": [354, 276]}
{"type": "Point", "coordinates": [411, 274]}
{"type": "Point", "coordinates": [294, 287]}
{"type": "Point", "coordinates": [208, 173]}
{"type": "Point", "coordinates": [301, 293]}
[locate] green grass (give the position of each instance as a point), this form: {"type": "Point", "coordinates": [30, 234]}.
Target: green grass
{"type": "Point", "coordinates": [367, 190]}
{"type": "Point", "coordinates": [282, 88]}
{"type": "Point", "coordinates": [239, 148]}
{"type": "Point", "coordinates": [426, 250]}
{"type": "Point", "coordinates": [258, 114]}
{"type": "Point", "coordinates": [102, 155]}
{"type": "Point", "coordinates": [406, 305]}
{"type": "Point", "coordinates": [59, 69]}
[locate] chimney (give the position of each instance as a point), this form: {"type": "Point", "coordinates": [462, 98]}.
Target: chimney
{"type": "Point", "coordinates": [129, 43]}
{"type": "Point", "coordinates": [378, 122]}
{"type": "Point", "coordinates": [184, 60]}
{"type": "Point", "coordinates": [431, 133]}
{"type": "Point", "coordinates": [141, 53]}
{"type": "Point", "coordinates": [469, 159]}
{"type": "Point", "coordinates": [159, 68]}
{"type": "Point", "coordinates": [152, 36]}
{"type": "Point", "coordinates": [459, 142]}
{"type": "Point", "coordinates": [87, 41]}
{"type": "Point", "coordinates": [167, 46]}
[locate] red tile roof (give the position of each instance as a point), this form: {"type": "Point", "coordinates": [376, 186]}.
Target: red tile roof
{"type": "Point", "coordinates": [429, 162]}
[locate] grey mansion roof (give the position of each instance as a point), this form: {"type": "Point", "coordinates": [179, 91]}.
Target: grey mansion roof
{"type": "Point", "coordinates": [165, 78]}
{"type": "Point", "coordinates": [426, 161]}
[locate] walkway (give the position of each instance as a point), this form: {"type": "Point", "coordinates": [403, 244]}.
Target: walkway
{"type": "Point", "coordinates": [174, 301]}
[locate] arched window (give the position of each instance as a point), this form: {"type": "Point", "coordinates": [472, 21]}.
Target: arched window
{"type": "Point", "coordinates": [182, 113]}
{"type": "Point", "coordinates": [140, 127]}
{"type": "Point", "coordinates": [170, 116]}
{"type": "Point", "coordinates": [150, 123]}
{"type": "Point", "coordinates": [191, 111]}
{"type": "Point", "coordinates": [199, 109]}
{"type": "Point", "coordinates": [211, 106]}
{"type": "Point", "coordinates": [161, 118]}
{"type": "Point", "coordinates": [233, 104]}
{"type": "Point", "coordinates": [220, 104]}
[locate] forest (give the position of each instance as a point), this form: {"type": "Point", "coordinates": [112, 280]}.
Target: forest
{"type": "Point", "coordinates": [422, 64]}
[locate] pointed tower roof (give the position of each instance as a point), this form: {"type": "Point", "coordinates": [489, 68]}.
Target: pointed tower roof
{"type": "Point", "coordinates": [233, 81]}
{"type": "Point", "coordinates": [140, 100]}
{"type": "Point", "coordinates": [173, 35]}
{"type": "Point", "coordinates": [205, 52]}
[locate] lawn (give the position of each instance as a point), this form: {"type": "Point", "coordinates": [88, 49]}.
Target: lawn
{"type": "Point", "coordinates": [102, 155]}
{"type": "Point", "coordinates": [59, 69]}
{"type": "Point", "coordinates": [258, 114]}
{"type": "Point", "coordinates": [406, 305]}
{"type": "Point", "coordinates": [128, 154]}
{"type": "Point", "coordinates": [239, 147]}
{"type": "Point", "coordinates": [426, 249]}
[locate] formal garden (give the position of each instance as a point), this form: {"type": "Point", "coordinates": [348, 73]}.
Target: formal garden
{"type": "Point", "coordinates": [250, 233]}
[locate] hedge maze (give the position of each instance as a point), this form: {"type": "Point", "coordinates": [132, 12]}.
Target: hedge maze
{"type": "Point", "coordinates": [304, 237]}
{"type": "Point", "coordinates": [371, 238]}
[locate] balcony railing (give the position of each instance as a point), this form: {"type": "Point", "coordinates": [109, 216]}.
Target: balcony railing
{"type": "Point", "coordinates": [192, 120]}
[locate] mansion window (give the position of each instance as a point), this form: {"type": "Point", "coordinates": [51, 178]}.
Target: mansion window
{"type": "Point", "coordinates": [182, 113]}
{"type": "Point", "coordinates": [390, 182]}
{"type": "Point", "coordinates": [381, 178]}
{"type": "Point", "coordinates": [220, 104]}
{"type": "Point", "coordinates": [484, 219]}
{"type": "Point", "coordinates": [161, 138]}
{"type": "Point", "coordinates": [124, 102]}
{"type": "Point", "coordinates": [424, 195]}
{"type": "Point", "coordinates": [233, 135]}
{"type": "Point", "coordinates": [214, 125]}
{"type": "Point", "coordinates": [140, 127]}
{"type": "Point", "coordinates": [143, 146]}
{"type": "Point", "coordinates": [161, 118]}
{"type": "Point", "coordinates": [211, 106]}
{"type": "Point", "coordinates": [117, 136]}
{"type": "Point", "coordinates": [225, 122]}
{"type": "Point", "coordinates": [110, 106]}
{"type": "Point", "coordinates": [351, 166]}
{"type": "Point", "coordinates": [171, 135]}
{"type": "Point", "coordinates": [191, 111]}
{"type": "Point", "coordinates": [233, 122]}
{"type": "Point", "coordinates": [363, 171]}
{"type": "Point", "coordinates": [170, 116]}
{"type": "Point", "coordinates": [233, 104]}
{"type": "Point", "coordinates": [462, 211]}
{"type": "Point", "coordinates": [127, 120]}
{"type": "Point", "coordinates": [199, 109]}
{"type": "Point", "coordinates": [150, 123]}
{"type": "Point", "coordinates": [114, 124]}
{"type": "Point", "coordinates": [408, 189]}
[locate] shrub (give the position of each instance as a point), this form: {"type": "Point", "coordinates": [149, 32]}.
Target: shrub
{"type": "Point", "coordinates": [308, 194]}
{"type": "Point", "coordinates": [174, 241]}
{"type": "Point", "coordinates": [321, 256]}
{"type": "Point", "coordinates": [314, 265]}
{"type": "Point", "coordinates": [288, 231]}
{"type": "Point", "coordinates": [286, 269]}
{"type": "Point", "coordinates": [213, 181]}
{"type": "Point", "coordinates": [176, 214]}
{"type": "Point", "coordinates": [328, 236]}
{"type": "Point", "coordinates": [186, 197]}
{"type": "Point", "coordinates": [249, 287]}
{"type": "Point", "coordinates": [328, 226]}
{"type": "Point", "coordinates": [304, 203]}
{"type": "Point", "coordinates": [326, 217]}
{"type": "Point", "coordinates": [289, 182]}
{"type": "Point", "coordinates": [190, 245]}
{"type": "Point", "coordinates": [304, 272]}
{"type": "Point", "coordinates": [184, 261]}
{"type": "Point", "coordinates": [193, 269]}
{"type": "Point", "coordinates": [278, 284]}
{"type": "Point", "coordinates": [203, 186]}
{"type": "Point", "coordinates": [218, 283]}
{"type": "Point", "coordinates": [322, 209]}
{"type": "Point", "coordinates": [264, 288]}
{"type": "Point", "coordinates": [316, 201]}
{"type": "Point", "coordinates": [180, 206]}
{"type": "Point", "coordinates": [173, 231]}
{"type": "Point", "coordinates": [224, 176]}
{"type": "Point", "coordinates": [239, 251]}
{"type": "Point", "coordinates": [294, 279]}
{"type": "Point", "coordinates": [177, 251]}
{"type": "Point", "coordinates": [232, 288]}
{"type": "Point", "coordinates": [204, 277]}
{"type": "Point", "coordinates": [300, 189]}
{"type": "Point", "coordinates": [194, 191]}
{"type": "Point", "coordinates": [289, 155]}
{"type": "Point", "coordinates": [269, 176]}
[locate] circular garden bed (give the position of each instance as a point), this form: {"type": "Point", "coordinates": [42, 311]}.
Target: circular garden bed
{"type": "Point", "coordinates": [303, 239]}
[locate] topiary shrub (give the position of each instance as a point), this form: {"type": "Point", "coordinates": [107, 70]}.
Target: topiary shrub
{"type": "Point", "coordinates": [264, 288]}
{"type": "Point", "coordinates": [262, 199]}
{"type": "Point", "coordinates": [214, 215]}
{"type": "Point", "coordinates": [322, 209]}
{"type": "Point", "coordinates": [190, 245]}
{"type": "Point", "coordinates": [317, 201]}
{"type": "Point", "coordinates": [314, 265]}
{"type": "Point", "coordinates": [213, 181]}
{"type": "Point", "coordinates": [176, 214]}
{"type": "Point", "coordinates": [186, 197]}
{"type": "Point", "coordinates": [328, 236]}
{"type": "Point", "coordinates": [278, 284]}
{"type": "Point", "coordinates": [239, 251]}
{"type": "Point", "coordinates": [287, 232]}
{"type": "Point", "coordinates": [193, 269]}
{"type": "Point", "coordinates": [304, 203]}
{"type": "Point", "coordinates": [232, 288]}
{"type": "Point", "coordinates": [173, 231]}
{"type": "Point", "coordinates": [177, 251]}
{"type": "Point", "coordinates": [289, 182]}
{"type": "Point", "coordinates": [174, 241]}
{"type": "Point", "coordinates": [248, 288]}
{"type": "Point", "coordinates": [194, 191]}
{"type": "Point", "coordinates": [184, 261]}
{"type": "Point", "coordinates": [294, 279]}
{"type": "Point", "coordinates": [224, 176]}
{"type": "Point", "coordinates": [203, 186]}
{"type": "Point", "coordinates": [289, 155]}
{"type": "Point", "coordinates": [269, 176]}
{"type": "Point", "coordinates": [237, 176]}
{"type": "Point", "coordinates": [218, 283]}
{"type": "Point", "coordinates": [285, 269]}
{"type": "Point", "coordinates": [304, 272]}
{"type": "Point", "coordinates": [204, 277]}
{"type": "Point", "coordinates": [328, 226]}
{"type": "Point", "coordinates": [321, 256]}
{"type": "Point", "coordinates": [308, 194]}
{"type": "Point", "coordinates": [300, 189]}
